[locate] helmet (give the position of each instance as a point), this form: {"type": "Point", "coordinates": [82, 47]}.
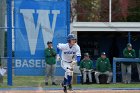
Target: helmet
{"type": "Point", "coordinates": [71, 37]}
{"type": "Point", "coordinates": [103, 53]}
{"type": "Point", "coordinates": [129, 45]}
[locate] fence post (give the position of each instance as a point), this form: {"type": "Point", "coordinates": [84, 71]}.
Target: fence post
{"type": "Point", "coordinates": [129, 37]}
{"type": "Point", "coordinates": [9, 42]}
{"type": "Point", "coordinates": [68, 16]}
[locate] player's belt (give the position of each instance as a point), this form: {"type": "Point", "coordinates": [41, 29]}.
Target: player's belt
{"type": "Point", "coordinates": [67, 61]}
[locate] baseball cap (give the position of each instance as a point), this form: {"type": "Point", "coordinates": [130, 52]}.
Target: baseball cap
{"type": "Point", "coordinates": [86, 54]}
{"type": "Point", "coordinates": [49, 42]}
{"type": "Point", "coordinates": [129, 45]}
{"type": "Point", "coordinates": [103, 53]}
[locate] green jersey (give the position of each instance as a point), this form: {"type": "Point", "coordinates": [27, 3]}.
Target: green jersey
{"type": "Point", "coordinates": [87, 64]}
{"type": "Point", "coordinates": [50, 56]}
{"type": "Point", "coordinates": [129, 54]}
{"type": "Point", "coordinates": [103, 65]}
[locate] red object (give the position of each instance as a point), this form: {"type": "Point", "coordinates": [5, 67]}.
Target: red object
{"type": "Point", "coordinates": [124, 7]}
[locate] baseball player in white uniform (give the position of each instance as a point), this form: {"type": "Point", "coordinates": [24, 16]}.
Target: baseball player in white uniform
{"type": "Point", "coordinates": [69, 56]}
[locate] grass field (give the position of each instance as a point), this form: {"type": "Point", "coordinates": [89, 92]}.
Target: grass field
{"type": "Point", "coordinates": [38, 81]}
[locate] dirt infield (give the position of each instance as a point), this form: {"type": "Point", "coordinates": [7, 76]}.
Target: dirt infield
{"type": "Point", "coordinates": [76, 91]}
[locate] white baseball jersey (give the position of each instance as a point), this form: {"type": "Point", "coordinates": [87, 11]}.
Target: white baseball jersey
{"type": "Point", "coordinates": [69, 54]}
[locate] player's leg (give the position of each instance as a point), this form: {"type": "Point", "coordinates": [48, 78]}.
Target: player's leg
{"type": "Point", "coordinates": [48, 67]}
{"type": "Point", "coordinates": [1, 78]}
{"type": "Point", "coordinates": [69, 75]}
{"type": "Point", "coordinates": [53, 68]}
{"type": "Point", "coordinates": [129, 74]}
{"type": "Point", "coordinates": [97, 77]}
{"type": "Point", "coordinates": [67, 80]}
{"type": "Point", "coordinates": [84, 77]}
{"type": "Point", "coordinates": [65, 66]}
{"type": "Point", "coordinates": [123, 69]}
{"type": "Point", "coordinates": [90, 77]}
{"type": "Point", "coordinates": [138, 67]}
{"type": "Point", "coordinates": [64, 83]}
{"type": "Point", "coordinates": [109, 74]}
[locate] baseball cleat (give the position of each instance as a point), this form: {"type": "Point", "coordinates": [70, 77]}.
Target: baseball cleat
{"type": "Point", "coordinates": [65, 89]}
{"type": "Point", "coordinates": [70, 87]}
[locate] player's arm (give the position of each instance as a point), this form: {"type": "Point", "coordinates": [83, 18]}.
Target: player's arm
{"type": "Point", "coordinates": [134, 54]}
{"type": "Point", "coordinates": [78, 54]}
{"type": "Point", "coordinates": [58, 51]}
{"type": "Point", "coordinates": [97, 64]}
{"type": "Point", "coordinates": [59, 48]}
{"type": "Point", "coordinates": [78, 58]}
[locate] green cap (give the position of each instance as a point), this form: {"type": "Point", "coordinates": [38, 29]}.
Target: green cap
{"type": "Point", "coordinates": [103, 53]}
{"type": "Point", "coordinates": [86, 54]}
{"type": "Point", "coordinates": [129, 45]}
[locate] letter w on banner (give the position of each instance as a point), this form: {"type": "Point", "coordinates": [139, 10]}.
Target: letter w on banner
{"type": "Point", "coordinates": [36, 23]}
